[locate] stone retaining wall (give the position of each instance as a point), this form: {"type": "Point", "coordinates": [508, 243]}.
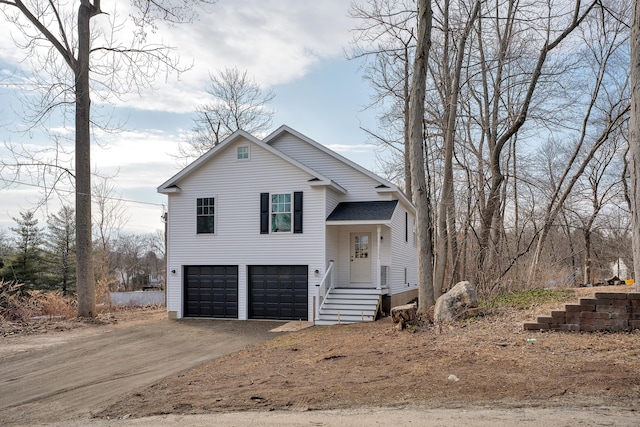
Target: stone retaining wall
{"type": "Point", "coordinates": [606, 311]}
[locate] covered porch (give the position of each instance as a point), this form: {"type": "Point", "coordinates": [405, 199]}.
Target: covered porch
{"type": "Point", "coordinates": [358, 247]}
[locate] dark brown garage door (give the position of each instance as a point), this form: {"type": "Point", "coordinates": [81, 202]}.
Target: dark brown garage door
{"type": "Point", "coordinates": [278, 292]}
{"type": "Point", "coordinates": [211, 291]}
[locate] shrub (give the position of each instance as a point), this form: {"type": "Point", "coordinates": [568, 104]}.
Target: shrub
{"type": "Point", "coordinates": [53, 304]}
{"type": "Point", "coordinates": [16, 306]}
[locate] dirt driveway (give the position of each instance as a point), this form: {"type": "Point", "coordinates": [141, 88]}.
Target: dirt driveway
{"type": "Point", "coordinates": [65, 376]}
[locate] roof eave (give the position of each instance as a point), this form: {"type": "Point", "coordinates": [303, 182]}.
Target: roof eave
{"type": "Point", "coordinates": [360, 222]}
{"type": "Point", "coordinates": [328, 183]}
{"type": "Point", "coordinates": [169, 190]}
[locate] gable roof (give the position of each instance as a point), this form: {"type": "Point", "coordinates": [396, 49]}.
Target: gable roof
{"type": "Point", "coordinates": [384, 185]}
{"type": "Point", "coordinates": [363, 211]}
{"type": "Point", "coordinates": [318, 179]}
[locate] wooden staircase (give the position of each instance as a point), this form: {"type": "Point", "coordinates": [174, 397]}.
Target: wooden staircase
{"type": "Point", "coordinates": [346, 305]}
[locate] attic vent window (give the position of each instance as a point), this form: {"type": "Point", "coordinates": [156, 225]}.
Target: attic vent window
{"type": "Point", "coordinates": [243, 152]}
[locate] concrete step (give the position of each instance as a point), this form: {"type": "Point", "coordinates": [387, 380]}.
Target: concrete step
{"type": "Point", "coordinates": [345, 319]}
{"type": "Point", "coordinates": [359, 291]}
{"type": "Point", "coordinates": [350, 312]}
{"type": "Point", "coordinates": [349, 305]}
{"type": "Point", "coordinates": [350, 301]}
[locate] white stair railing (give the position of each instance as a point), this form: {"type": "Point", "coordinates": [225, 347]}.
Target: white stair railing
{"type": "Point", "coordinates": [324, 288]}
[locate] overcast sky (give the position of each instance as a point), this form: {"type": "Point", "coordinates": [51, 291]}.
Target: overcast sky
{"type": "Point", "coordinates": [294, 47]}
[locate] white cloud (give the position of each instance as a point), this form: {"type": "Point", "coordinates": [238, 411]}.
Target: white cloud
{"type": "Point", "coordinates": [276, 41]}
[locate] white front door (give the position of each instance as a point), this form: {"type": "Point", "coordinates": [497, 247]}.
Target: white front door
{"type": "Point", "coordinates": [360, 258]}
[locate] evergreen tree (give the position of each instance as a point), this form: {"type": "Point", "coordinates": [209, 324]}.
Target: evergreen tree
{"type": "Point", "coordinates": [60, 250]}
{"type": "Point", "coordinates": [25, 265]}
{"type": "Point", "coordinates": [5, 249]}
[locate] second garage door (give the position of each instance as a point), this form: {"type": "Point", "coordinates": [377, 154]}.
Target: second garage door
{"type": "Point", "coordinates": [278, 292]}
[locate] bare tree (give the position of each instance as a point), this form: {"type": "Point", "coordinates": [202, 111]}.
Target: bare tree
{"type": "Point", "coordinates": [385, 36]}
{"type": "Point", "coordinates": [424, 227]}
{"type": "Point", "coordinates": [450, 83]}
{"type": "Point", "coordinates": [499, 89]}
{"type": "Point", "coordinates": [634, 139]}
{"type": "Point", "coordinates": [605, 113]}
{"type": "Point", "coordinates": [238, 104]}
{"type": "Point", "coordinates": [53, 31]}
{"type": "Point", "coordinates": [109, 219]}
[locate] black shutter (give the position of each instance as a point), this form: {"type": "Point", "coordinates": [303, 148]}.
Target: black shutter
{"type": "Point", "coordinates": [406, 226]}
{"type": "Point", "coordinates": [264, 213]}
{"type": "Point", "coordinates": [297, 212]}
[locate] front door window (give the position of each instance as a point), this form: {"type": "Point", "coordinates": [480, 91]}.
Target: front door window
{"type": "Point", "coordinates": [360, 258]}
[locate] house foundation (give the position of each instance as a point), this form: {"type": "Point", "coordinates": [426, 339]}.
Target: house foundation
{"type": "Point", "coordinates": [389, 301]}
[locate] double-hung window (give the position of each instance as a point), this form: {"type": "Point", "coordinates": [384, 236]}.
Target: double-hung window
{"type": "Point", "coordinates": [281, 213]}
{"type": "Point", "coordinates": [205, 215]}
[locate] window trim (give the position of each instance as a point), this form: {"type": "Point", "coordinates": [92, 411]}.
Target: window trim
{"type": "Point", "coordinates": [272, 213]}
{"type": "Point", "coordinates": [248, 153]}
{"type": "Point", "coordinates": [213, 214]}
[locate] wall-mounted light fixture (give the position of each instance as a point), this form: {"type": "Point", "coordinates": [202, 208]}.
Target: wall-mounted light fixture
{"type": "Point", "coordinates": [173, 272]}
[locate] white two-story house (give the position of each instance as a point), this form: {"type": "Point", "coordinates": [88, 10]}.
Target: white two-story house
{"type": "Point", "coordinates": [284, 228]}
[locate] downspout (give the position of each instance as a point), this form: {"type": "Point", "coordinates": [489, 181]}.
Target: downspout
{"type": "Point", "coordinates": [379, 267]}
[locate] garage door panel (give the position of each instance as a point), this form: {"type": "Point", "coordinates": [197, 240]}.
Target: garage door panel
{"type": "Point", "coordinates": [278, 292]}
{"type": "Point", "coordinates": [211, 291]}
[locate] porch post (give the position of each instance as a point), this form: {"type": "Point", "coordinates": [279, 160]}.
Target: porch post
{"type": "Point", "coordinates": [378, 267]}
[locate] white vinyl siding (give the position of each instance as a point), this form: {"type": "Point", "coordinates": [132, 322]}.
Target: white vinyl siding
{"type": "Point", "coordinates": [333, 198]}
{"type": "Point", "coordinates": [403, 253]}
{"type": "Point", "coordinates": [238, 240]}
{"type": "Point", "coordinates": [237, 187]}
{"type": "Point", "coordinates": [359, 186]}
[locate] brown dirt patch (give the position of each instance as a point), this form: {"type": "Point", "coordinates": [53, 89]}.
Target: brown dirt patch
{"type": "Point", "coordinates": [373, 365]}
{"type": "Point", "coordinates": [47, 324]}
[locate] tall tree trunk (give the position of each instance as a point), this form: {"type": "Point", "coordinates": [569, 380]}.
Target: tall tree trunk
{"type": "Point", "coordinates": [424, 229]}
{"type": "Point", "coordinates": [447, 233]}
{"type": "Point", "coordinates": [634, 140]}
{"type": "Point", "coordinates": [84, 251]}
{"type": "Point", "coordinates": [407, 144]}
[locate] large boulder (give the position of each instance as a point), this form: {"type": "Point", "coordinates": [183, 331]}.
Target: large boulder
{"type": "Point", "coordinates": [459, 302]}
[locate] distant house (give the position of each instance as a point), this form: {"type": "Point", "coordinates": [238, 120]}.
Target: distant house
{"type": "Point", "coordinates": [620, 269]}
{"type": "Point", "coordinates": [284, 228]}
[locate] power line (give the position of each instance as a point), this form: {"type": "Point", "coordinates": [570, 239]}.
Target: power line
{"type": "Point", "coordinates": [119, 199]}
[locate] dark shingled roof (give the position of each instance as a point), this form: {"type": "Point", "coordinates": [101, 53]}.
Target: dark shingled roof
{"type": "Point", "coordinates": [363, 211]}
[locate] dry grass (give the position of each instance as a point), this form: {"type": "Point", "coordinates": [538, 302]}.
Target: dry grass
{"type": "Point", "coordinates": [22, 307]}
{"type": "Point", "coordinates": [495, 360]}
